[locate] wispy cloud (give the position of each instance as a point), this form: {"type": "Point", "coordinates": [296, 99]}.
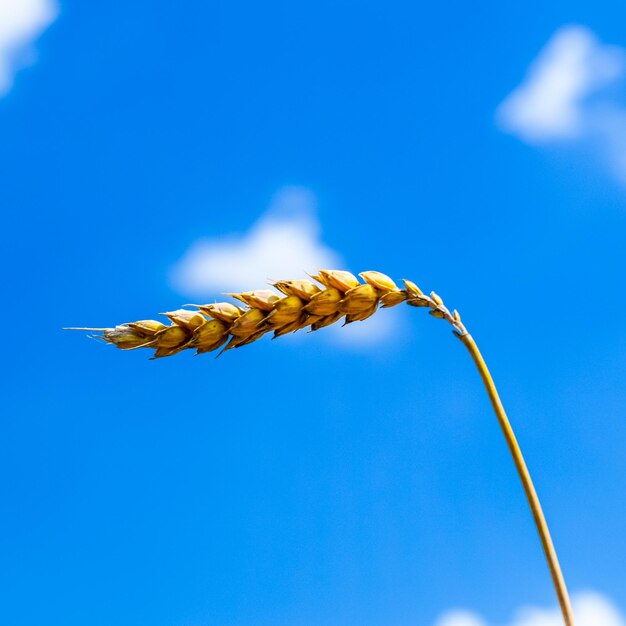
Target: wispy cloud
{"type": "Point", "coordinates": [590, 609]}
{"type": "Point", "coordinates": [21, 22]}
{"type": "Point", "coordinates": [572, 93]}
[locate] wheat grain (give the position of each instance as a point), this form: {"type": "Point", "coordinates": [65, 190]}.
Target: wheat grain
{"type": "Point", "coordinates": [294, 305]}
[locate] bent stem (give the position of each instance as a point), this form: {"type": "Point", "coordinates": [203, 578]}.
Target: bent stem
{"type": "Point", "coordinates": [522, 470]}
{"type": "Point", "coordinates": [439, 310]}
{"type": "Point", "coordinates": [306, 304]}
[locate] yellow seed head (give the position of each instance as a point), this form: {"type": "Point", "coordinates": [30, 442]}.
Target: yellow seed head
{"type": "Point", "coordinates": [304, 289]}
{"type": "Point", "coordinates": [361, 315]}
{"type": "Point", "coordinates": [339, 279]}
{"type": "Point", "coordinates": [248, 323]}
{"type": "Point", "coordinates": [391, 298]}
{"type": "Point", "coordinates": [289, 328]}
{"type": "Point", "coordinates": [436, 298]}
{"type": "Point", "coordinates": [147, 327]}
{"type": "Point", "coordinates": [415, 296]}
{"type": "Point", "coordinates": [223, 311]}
{"type": "Point", "coordinates": [286, 311]}
{"type": "Point", "coordinates": [210, 336]}
{"type": "Point", "coordinates": [411, 288]}
{"type": "Point", "coordinates": [261, 299]}
{"type": "Point", "coordinates": [172, 337]}
{"type": "Point", "coordinates": [161, 352]}
{"type": "Point", "coordinates": [327, 320]}
{"type": "Point", "coordinates": [187, 319]}
{"type": "Point", "coordinates": [237, 342]}
{"type": "Point", "coordinates": [249, 339]}
{"type": "Point", "coordinates": [324, 303]}
{"type": "Point", "coordinates": [380, 281]}
{"type": "Point", "coordinates": [301, 303]}
{"type": "Point", "coordinates": [358, 300]}
{"type": "Point", "coordinates": [126, 338]}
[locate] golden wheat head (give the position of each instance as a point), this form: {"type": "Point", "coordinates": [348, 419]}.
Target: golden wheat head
{"type": "Point", "coordinates": [296, 304]}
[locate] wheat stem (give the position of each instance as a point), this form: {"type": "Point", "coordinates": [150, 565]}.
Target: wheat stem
{"type": "Point", "coordinates": [301, 304]}
{"type": "Point", "coordinates": [527, 483]}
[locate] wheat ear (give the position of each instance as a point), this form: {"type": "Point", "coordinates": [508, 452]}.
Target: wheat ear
{"type": "Point", "coordinates": [303, 303]}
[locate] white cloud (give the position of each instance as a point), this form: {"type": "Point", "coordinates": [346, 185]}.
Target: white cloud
{"type": "Point", "coordinates": [573, 94]}
{"type": "Point", "coordinates": [550, 103]}
{"type": "Point", "coordinates": [590, 609]}
{"type": "Point", "coordinates": [21, 22]}
{"type": "Point", "coordinates": [284, 243]}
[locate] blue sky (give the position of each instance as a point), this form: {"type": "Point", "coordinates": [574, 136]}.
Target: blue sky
{"type": "Point", "coordinates": [152, 155]}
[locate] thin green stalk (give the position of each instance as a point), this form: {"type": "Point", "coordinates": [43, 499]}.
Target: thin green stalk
{"type": "Point", "coordinates": [527, 483]}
